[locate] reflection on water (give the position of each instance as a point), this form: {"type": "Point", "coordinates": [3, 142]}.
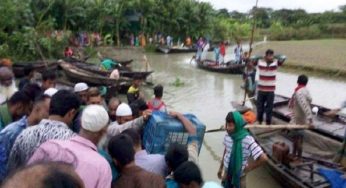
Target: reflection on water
{"type": "Point", "coordinates": [208, 95]}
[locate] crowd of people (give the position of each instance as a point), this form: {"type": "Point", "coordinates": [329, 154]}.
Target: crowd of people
{"type": "Point", "coordinates": [98, 143]}
{"type": "Point", "coordinates": [75, 138]}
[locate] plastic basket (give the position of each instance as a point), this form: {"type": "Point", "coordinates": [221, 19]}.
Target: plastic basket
{"type": "Point", "coordinates": [161, 130]}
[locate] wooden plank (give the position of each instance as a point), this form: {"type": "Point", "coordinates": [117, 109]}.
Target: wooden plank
{"type": "Point", "coordinates": [288, 126]}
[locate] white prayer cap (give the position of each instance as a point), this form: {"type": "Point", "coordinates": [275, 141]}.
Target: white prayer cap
{"type": "Point", "coordinates": [94, 118]}
{"type": "Point", "coordinates": [50, 92]}
{"type": "Point", "coordinates": [123, 110]}
{"type": "Point", "coordinates": [211, 184]}
{"type": "Point", "coordinates": [80, 87]}
{"type": "Point", "coordinates": [315, 110]}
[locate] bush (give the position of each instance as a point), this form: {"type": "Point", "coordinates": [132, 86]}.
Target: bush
{"type": "Point", "coordinates": [150, 48]}
{"type": "Point", "coordinates": [333, 30]}
{"type": "Point", "coordinates": [27, 44]}
{"type": "Point", "coordinates": [289, 33]}
{"type": "Point", "coordinates": [278, 32]}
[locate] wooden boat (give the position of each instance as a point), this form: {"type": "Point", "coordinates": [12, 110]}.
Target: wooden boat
{"type": "Point", "coordinates": [123, 73]}
{"type": "Point", "coordinates": [171, 50]}
{"type": "Point", "coordinates": [333, 128]}
{"type": "Point", "coordinates": [229, 67]}
{"type": "Point", "coordinates": [40, 66]}
{"type": "Point", "coordinates": [124, 63]}
{"type": "Point", "coordinates": [75, 75]}
{"type": "Point", "coordinates": [319, 151]}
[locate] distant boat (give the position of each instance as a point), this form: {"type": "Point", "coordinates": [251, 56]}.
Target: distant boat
{"type": "Point", "coordinates": [171, 50]}
{"type": "Point", "coordinates": [229, 67]}
{"type": "Point", "coordinates": [75, 75]}
{"type": "Point", "coordinates": [123, 73]}
{"type": "Point", "coordinates": [124, 63]}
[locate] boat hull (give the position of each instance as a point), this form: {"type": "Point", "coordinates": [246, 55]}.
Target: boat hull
{"type": "Point", "coordinates": [229, 68]}
{"type": "Point", "coordinates": [331, 127]}
{"type": "Point", "coordinates": [75, 75]}
{"type": "Point", "coordinates": [167, 50]}
{"type": "Point", "coordinates": [19, 68]}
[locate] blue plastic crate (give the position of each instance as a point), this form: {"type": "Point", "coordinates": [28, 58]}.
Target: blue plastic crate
{"type": "Point", "coordinates": [161, 130]}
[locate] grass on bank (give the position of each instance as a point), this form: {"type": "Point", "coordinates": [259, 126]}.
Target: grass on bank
{"type": "Point", "coordinates": [323, 57]}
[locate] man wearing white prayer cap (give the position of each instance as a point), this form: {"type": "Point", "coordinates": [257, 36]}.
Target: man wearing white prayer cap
{"type": "Point", "coordinates": [81, 149]}
{"type": "Point", "coordinates": [125, 120]}
{"type": "Point", "coordinates": [123, 113]}
{"type": "Point", "coordinates": [81, 89]}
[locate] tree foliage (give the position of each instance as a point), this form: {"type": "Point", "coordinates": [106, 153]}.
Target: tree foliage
{"type": "Point", "coordinates": [27, 25]}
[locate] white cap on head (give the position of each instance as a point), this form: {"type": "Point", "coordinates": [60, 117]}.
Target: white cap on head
{"type": "Point", "coordinates": [94, 118]}
{"type": "Point", "coordinates": [211, 184]}
{"type": "Point", "coordinates": [123, 110]}
{"type": "Point", "coordinates": [80, 87]}
{"type": "Point", "coordinates": [315, 110]}
{"type": "Point", "coordinates": [50, 92]}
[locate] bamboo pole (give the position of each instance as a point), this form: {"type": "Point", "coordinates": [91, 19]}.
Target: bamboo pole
{"type": "Point", "coordinates": [272, 127]}
{"type": "Point", "coordinates": [288, 126]}
{"type": "Point", "coordinates": [250, 46]}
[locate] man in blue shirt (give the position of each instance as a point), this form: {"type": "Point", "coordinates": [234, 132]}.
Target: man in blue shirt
{"type": "Point", "coordinates": [9, 134]}
{"type": "Point", "coordinates": [16, 107]}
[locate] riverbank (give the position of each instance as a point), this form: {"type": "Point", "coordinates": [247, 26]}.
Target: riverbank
{"type": "Point", "coordinates": [319, 57]}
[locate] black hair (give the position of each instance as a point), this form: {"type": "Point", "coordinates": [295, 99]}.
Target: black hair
{"type": "Point", "coordinates": [62, 102]}
{"type": "Point", "coordinates": [229, 117]}
{"type": "Point", "coordinates": [28, 69]}
{"type": "Point", "coordinates": [158, 91]}
{"type": "Point", "coordinates": [134, 135]}
{"type": "Point", "coordinates": [137, 77]}
{"type": "Point", "coordinates": [135, 109]}
{"type": "Point", "coordinates": [93, 92]}
{"type": "Point", "coordinates": [121, 149]}
{"type": "Point", "coordinates": [269, 52]}
{"type": "Point", "coordinates": [33, 90]}
{"type": "Point", "coordinates": [187, 173]}
{"type": "Point", "coordinates": [56, 175]}
{"type": "Point", "coordinates": [137, 106]}
{"type": "Point", "coordinates": [20, 97]}
{"type": "Point", "coordinates": [49, 75]}
{"type": "Point", "coordinates": [41, 98]}
{"type": "Point", "coordinates": [142, 105]}
{"type": "Point", "coordinates": [114, 99]}
{"type": "Point", "coordinates": [176, 155]}
{"type": "Point", "coordinates": [302, 79]}
{"type": "Point", "coordinates": [57, 178]}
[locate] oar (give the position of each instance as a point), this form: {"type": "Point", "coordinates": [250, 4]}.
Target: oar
{"type": "Point", "coordinates": [250, 45]}
{"type": "Point", "coordinates": [222, 128]}
{"type": "Point", "coordinates": [193, 57]}
{"type": "Point", "coordinates": [288, 126]}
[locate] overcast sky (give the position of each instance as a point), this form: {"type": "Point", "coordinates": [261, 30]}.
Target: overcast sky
{"type": "Point", "coordinates": [308, 5]}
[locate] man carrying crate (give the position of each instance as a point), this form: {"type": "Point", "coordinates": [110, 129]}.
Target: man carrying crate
{"type": "Point", "coordinates": [177, 154]}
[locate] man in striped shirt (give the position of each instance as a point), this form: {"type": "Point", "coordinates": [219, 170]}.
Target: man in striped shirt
{"type": "Point", "coordinates": [266, 85]}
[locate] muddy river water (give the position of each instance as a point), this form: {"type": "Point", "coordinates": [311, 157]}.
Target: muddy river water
{"type": "Point", "coordinates": [208, 96]}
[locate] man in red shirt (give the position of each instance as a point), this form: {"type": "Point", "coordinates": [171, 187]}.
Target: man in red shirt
{"type": "Point", "coordinates": [156, 104]}
{"type": "Point", "coordinates": [222, 53]}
